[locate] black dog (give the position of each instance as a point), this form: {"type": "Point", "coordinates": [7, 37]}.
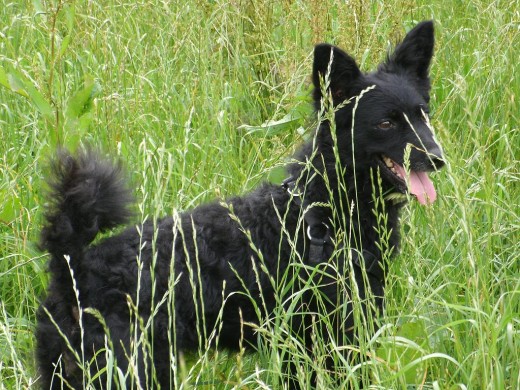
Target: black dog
{"type": "Point", "coordinates": [170, 285]}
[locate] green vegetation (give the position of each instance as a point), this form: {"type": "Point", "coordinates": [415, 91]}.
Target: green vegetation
{"type": "Point", "coordinates": [180, 91]}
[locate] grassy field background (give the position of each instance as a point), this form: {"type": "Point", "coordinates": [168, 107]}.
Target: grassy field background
{"type": "Point", "coordinates": [179, 90]}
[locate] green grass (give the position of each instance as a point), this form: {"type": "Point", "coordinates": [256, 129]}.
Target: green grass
{"type": "Point", "coordinates": [168, 86]}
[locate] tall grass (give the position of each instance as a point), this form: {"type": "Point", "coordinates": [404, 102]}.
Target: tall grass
{"type": "Point", "coordinates": [170, 86]}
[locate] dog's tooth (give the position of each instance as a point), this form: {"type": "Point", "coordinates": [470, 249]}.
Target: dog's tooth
{"type": "Point", "coordinates": [389, 163]}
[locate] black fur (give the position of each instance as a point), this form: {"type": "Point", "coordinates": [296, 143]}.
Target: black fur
{"type": "Point", "coordinates": [250, 243]}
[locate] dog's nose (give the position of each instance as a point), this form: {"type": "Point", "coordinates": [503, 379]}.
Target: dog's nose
{"type": "Point", "coordinates": [435, 155]}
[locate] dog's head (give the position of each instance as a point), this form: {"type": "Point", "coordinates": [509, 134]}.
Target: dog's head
{"type": "Point", "coordinates": [385, 124]}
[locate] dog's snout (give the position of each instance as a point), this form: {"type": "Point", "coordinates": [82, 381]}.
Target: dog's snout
{"type": "Point", "coordinates": [438, 162]}
{"type": "Point", "coordinates": [428, 157]}
{"type": "Point", "coordinates": [436, 157]}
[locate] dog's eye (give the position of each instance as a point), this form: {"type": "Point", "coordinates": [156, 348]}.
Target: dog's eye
{"type": "Point", "coordinates": [385, 125]}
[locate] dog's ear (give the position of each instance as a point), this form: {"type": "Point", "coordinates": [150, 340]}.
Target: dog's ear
{"type": "Point", "coordinates": [413, 55]}
{"type": "Point", "coordinates": [336, 67]}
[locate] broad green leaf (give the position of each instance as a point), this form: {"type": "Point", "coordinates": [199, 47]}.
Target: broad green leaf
{"type": "Point", "coordinates": [78, 113]}
{"type": "Point", "coordinates": [272, 127]}
{"type": "Point", "coordinates": [16, 85]}
{"type": "Point", "coordinates": [64, 44]}
{"type": "Point", "coordinates": [37, 5]}
{"type": "Point", "coordinates": [39, 100]}
{"type": "Point", "coordinates": [277, 175]}
{"type": "Point", "coordinates": [409, 343]}
{"type": "Point", "coordinates": [3, 78]}
{"type": "Point", "coordinates": [10, 207]}
{"type": "Point", "coordinates": [70, 14]}
{"type": "Point", "coordinates": [20, 84]}
{"type": "Point", "coordinates": [81, 102]}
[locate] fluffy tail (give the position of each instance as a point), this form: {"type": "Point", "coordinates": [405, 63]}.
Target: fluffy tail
{"type": "Point", "coordinates": [88, 195]}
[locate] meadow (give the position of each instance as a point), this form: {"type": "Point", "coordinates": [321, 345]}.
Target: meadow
{"type": "Point", "coordinates": [206, 99]}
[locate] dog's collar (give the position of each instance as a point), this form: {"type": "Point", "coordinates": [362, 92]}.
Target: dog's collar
{"type": "Point", "coordinates": [319, 235]}
{"type": "Point", "coordinates": [289, 185]}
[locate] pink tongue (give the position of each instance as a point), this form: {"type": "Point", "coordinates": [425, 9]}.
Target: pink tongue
{"type": "Point", "coordinates": [420, 185]}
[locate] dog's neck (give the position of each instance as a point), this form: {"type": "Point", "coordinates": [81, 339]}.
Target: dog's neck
{"type": "Point", "coordinates": [344, 190]}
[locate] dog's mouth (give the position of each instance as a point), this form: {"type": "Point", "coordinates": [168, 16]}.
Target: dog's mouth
{"type": "Point", "coordinates": [415, 182]}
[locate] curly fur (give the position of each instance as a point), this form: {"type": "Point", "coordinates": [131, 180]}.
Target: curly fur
{"type": "Point", "coordinates": [217, 260]}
